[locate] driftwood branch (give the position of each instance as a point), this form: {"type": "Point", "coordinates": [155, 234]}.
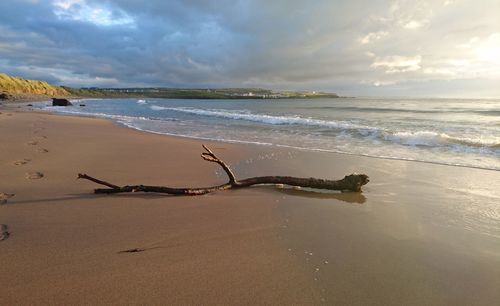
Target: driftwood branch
{"type": "Point", "coordinates": [211, 157]}
{"type": "Point", "coordinates": [351, 182]}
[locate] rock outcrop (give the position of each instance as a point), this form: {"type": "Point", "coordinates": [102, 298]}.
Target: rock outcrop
{"type": "Point", "coordinates": [60, 102]}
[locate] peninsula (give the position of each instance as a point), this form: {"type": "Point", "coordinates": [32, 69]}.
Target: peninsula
{"type": "Point", "coordinates": [19, 89]}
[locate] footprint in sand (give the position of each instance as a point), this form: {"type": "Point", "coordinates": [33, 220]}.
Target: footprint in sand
{"type": "Point", "coordinates": [33, 143]}
{"type": "Point", "coordinates": [42, 150]}
{"type": "Point", "coordinates": [34, 175]}
{"type": "Point", "coordinates": [4, 232]}
{"type": "Point", "coordinates": [23, 161]}
{"type": "Point", "coordinates": [4, 197]}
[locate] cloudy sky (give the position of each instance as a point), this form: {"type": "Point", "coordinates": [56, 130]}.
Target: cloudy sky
{"type": "Point", "coordinates": [442, 48]}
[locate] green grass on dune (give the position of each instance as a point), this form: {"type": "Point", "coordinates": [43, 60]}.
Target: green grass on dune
{"type": "Point", "coordinates": [15, 86]}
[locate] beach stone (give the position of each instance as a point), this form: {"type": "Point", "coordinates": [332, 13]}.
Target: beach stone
{"type": "Point", "coordinates": [61, 102]}
{"type": "Point", "coordinates": [34, 175]}
{"type": "Point", "coordinates": [4, 96]}
{"type": "Point", "coordinates": [42, 150]}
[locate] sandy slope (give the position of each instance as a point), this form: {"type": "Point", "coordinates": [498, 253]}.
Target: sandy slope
{"type": "Point", "coordinates": [419, 234]}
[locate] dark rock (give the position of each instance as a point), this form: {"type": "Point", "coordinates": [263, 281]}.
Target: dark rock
{"type": "Point", "coordinates": [60, 102]}
{"type": "Point", "coordinates": [29, 105]}
{"type": "Point", "coordinates": [4, 96]}
{"type": "Point", "coordinates": [82, 105]}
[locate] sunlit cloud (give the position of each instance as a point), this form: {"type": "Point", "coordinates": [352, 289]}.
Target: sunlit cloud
{"type": "Point", "coordinates": [440, 71]}
{"type": "Point", "coordinates": [378, 83]}
{"type": "Point", "coordinates": [372, 37]}
{"type": "Point", "coordinates": [398, 64]}
{"type": "Point", "coordinates": [414, 24]}
{"type": "Point", "coordinates": [79, 10]}
{"type": "Point", "coordinates": [468, 44]}
{"type": "Point", "coordinates": [490, 50]}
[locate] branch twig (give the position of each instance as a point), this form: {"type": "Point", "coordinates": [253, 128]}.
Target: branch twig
{"type": "Point", "coordinates": [211, 157]}
{"type": "Point", "coordinates": [351, 182]}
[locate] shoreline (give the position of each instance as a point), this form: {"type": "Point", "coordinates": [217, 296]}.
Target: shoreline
{"type": "Point", "coordinates": [291, 147]}
{"type": "Point", "coordinates": [419, 233]}
{"type": "Point", "coordinates": [114, 120]}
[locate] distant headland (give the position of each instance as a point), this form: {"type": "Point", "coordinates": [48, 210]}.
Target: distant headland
{"type": "Point", "coordinates": [19, 89]}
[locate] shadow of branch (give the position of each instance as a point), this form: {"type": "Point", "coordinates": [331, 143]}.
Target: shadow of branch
{"type": "Point", "coordinates": [349, 197]}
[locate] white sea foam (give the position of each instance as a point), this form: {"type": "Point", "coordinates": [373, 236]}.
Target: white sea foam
{"type": "Point", "coordinates": [407, 138]}
{"type": "Point", "coordinates": [267, 119]}
{"type": "Point", "coordinates": [158, 108]}
{"type": "Point", "coordinates": [120, 118]}
{"type": "Point", "coordinates": [411, 138]}
{"type": "Point", "coordinates": [433, 139]}
{"type": "Point", "coordinates": [369, 154]}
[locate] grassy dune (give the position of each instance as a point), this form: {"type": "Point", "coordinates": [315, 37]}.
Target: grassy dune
{"type": "Point", "coordinates": [15, 86]}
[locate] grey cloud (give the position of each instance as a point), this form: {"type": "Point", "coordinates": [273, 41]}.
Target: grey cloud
{"type": "Point", "coordinates": [281, 44]}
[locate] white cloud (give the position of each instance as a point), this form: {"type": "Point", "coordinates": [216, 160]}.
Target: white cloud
{"type": "Point", "coordinates": [372, 37]}
{"type": "Point", "coordinates": [79, 10]}
{"type": "Point", "coordinates": [398, 64]}
{"type": "Point", "coordinates": [377, 83]}
{"type": "Point", "coordinates": [409, 14]}
{"type": "Point", "coordinates": [439, 71]}
{"type": "Point", "coordinates": [414, 24]}
{"type": "Point", "coordinates": [383, 83]}
{"type": "Point", "coordinates": [489, 50]}
{"type": "Point", "coordinates": [469, 44]}
{"type": "Point", "coordinates": [67, 4]}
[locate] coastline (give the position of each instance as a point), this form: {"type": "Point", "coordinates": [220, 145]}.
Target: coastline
{"type": "Point", "coordinates": [398, 142]}
{"type": "Point", "coordinates": [412, 237]}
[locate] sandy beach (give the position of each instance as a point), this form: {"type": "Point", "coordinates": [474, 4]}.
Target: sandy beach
{"type": "Point", "coordinates": [418, 234]}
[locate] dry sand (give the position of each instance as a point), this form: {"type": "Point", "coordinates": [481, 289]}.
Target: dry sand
{"type": "Point", "coordinates": [419, 234]}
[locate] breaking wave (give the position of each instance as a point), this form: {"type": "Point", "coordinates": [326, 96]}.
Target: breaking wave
{"type": "Point", "coordinates": [321, 125]}
{"type": "Point", "coordinates": [267, 119]}
{"type": "Point", "coordinates": [408, 138]}
{"type": "Point", "coordinates": [433, 139]}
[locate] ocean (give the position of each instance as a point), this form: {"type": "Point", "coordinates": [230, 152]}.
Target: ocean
{"type": "Point", "coordinates": [444, 131]}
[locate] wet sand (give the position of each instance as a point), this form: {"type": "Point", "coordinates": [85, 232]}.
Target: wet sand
{"type": "Point", "coordinates": [418, 234]}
